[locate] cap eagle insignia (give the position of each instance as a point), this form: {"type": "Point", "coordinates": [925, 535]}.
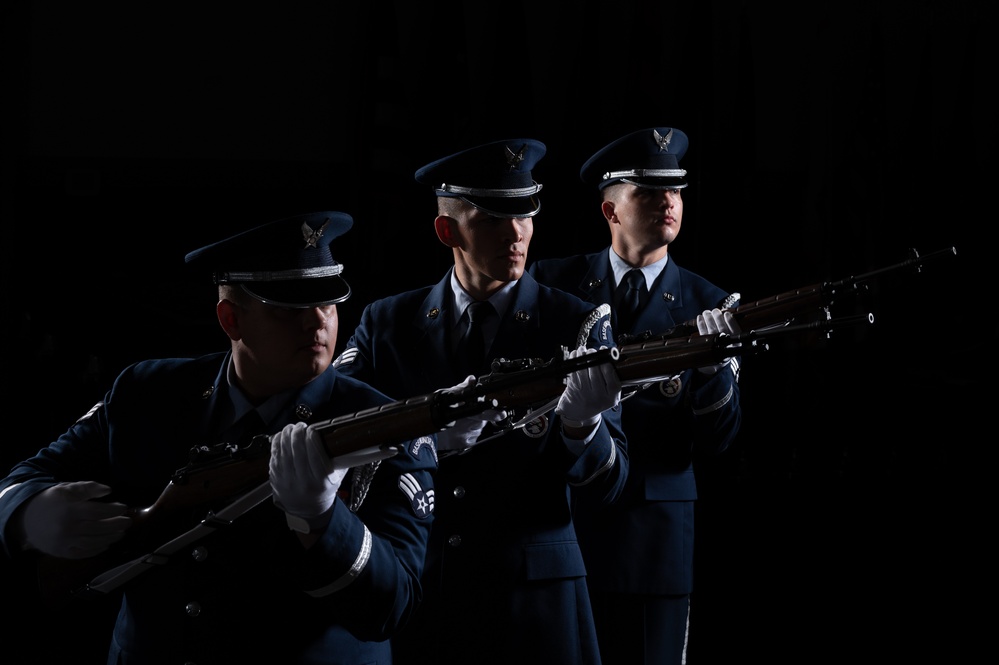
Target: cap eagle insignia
{"type": "Point", "coordinates": [514, 158]}
{"type": "Point", "coordinates": [312, 237]}
{"type": "Point", "coordinates": [662, 141]}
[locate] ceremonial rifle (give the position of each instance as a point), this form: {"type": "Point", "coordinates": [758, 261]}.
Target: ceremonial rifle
{"type": "Point", "coordinates": [225, 481]}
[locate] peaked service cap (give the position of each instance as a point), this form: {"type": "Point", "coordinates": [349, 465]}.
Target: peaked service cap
{"type": "Point", "coordinates": [494, 177]}
{"type": "Point", "coordinates": [646, 158]}
{"type": "Point", "coordinates": [287, 263]}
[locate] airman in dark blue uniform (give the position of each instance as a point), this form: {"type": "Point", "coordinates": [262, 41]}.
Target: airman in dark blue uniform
{"type": "Point", "coordinates": [639, 551]}
{"type": "Point", "coordinates": [229, 581]}
{"type": "Point", "coordinates": [505, 580]}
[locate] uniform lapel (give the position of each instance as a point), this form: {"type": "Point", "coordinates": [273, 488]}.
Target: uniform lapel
{"type": "Point", "coordinates": [665, 295]}
{"type": "Point", "coordinates": [517, 336]}
{"type": "Point", "coordinates": [597, 283]}
{"type": "Point", "coordinates": [431, 325]}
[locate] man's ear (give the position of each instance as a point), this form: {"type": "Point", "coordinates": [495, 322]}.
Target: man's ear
{"type": "Point", "coordinates": [228, 314]}
{"type": "Point", "coordinates": [607, 208]}
{"type": "Point", "coordinates": [444, 226]}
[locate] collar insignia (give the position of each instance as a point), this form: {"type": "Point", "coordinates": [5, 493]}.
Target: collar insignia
{"type": "Point", "coordinates": [312, 237]}
{"type": "Point", "coordinates": [662, 141]}
{"type": "Point", "coordinates": [514, 158]}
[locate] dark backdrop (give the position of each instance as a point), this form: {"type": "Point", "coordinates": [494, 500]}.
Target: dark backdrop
{"type": "Point", "coordinates": [825, 141]}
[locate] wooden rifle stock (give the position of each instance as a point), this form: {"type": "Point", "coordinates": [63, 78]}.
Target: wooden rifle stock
{"type": "Point", "coordinates": [224, 481]}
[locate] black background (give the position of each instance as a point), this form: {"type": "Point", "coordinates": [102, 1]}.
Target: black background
{"type": "Point", "coordinates": [848, 522]}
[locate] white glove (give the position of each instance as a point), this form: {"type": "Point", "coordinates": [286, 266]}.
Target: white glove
{"type": "Point", "coordinates": [588, 392]}
{"type": "Point", "coordinates": [303, 478]}
{"type": "Point", "coordinates": [464, 432]}
{"type": "Point", "coordinates": [711, 322]}
{"type": "Point", "coordinates": [65, 521]}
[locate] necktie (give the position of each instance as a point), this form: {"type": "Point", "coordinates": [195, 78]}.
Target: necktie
{"type": "Point", "coordinates": [474, 347]}
{"type": "Point", "coordinates": [631, 293]}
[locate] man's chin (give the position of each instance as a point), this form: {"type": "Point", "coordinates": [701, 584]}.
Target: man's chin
{"type": "Point", "coordinates": [512, 272]}
{"type": "Point", "coordinates": [316, 364]}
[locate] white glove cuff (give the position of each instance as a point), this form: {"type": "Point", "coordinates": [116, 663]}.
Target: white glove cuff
{"type": "Point", "coordinates": [589, 422]}
{"type": "Point", "coordinates": [578, 446]}
{"type": "Point", "coordinates": [303, 525]}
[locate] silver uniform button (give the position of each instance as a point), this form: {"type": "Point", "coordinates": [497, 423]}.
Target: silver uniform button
{"type": "Point", "coordinates": [199, 553]}
{"type": "Point", "coordinates": [459, 492]}
{"type": "Point", "coordinates": [454, 541]}
{"type": "Point", "coordinates": [192, 609]}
